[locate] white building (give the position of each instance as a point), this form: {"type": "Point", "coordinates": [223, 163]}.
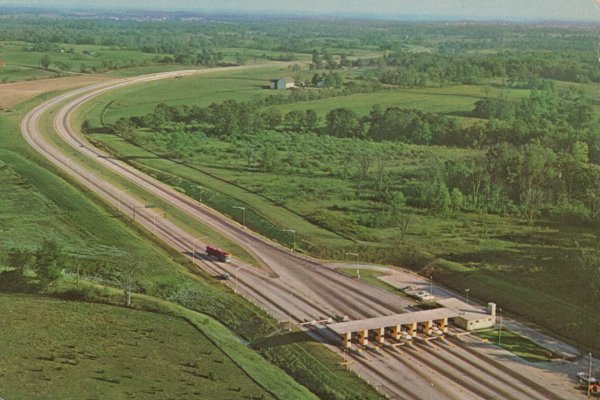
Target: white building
{"type": "Point", "coordinates": [471, 318]}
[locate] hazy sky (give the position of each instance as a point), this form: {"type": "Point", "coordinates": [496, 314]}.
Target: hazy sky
{"type": "Point", "coordinates": [504, 9]}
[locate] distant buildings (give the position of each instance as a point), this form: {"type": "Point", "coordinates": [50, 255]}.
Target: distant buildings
{"type": "Point", "coordinates": [282, 83]}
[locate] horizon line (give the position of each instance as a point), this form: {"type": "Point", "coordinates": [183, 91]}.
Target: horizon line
{"type": "Point", "coordinates": [62, 8]}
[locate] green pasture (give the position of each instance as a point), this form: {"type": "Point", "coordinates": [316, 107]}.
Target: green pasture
{"type": "Point", "coordinates": [192, 90]}
{"type": "Point", "coordinates": [456, 100]}
{"type": "Point", "coordinates": [22, 64]}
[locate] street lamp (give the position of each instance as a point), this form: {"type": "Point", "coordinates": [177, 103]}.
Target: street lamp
{"type": "Point", "coordinates": [154, 221]}
{"type": "Point", "coordinates": [91, 175]}
{"type": "Point", "coordinates": [467, 293]}
{"type": "Point", "coordinates": [289, 314]}
{"type": "Point", "coordinates": [431, 285]}
{"type": "Point", "coordinates": [358, 261]}
{"type": "Point", "coordinates": [236, 277]}
{"type": "Point", "coordinates": [500, 330]}
{"type": "Point", "coordinates": [145, 206]}
{"type": "Point", "coordinates": [293, 232]}
{"type": "Point", "coordinates": [120, 192]}
{"type": "Point", "coordinates": [243, 214]}
{"type": "Point", "coordinates": [589, 387]}
{"type": "Point", "coordinates": [134, 208]}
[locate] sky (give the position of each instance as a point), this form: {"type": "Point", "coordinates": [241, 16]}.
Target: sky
{"type": "Point", "coordinates": [464, 9]}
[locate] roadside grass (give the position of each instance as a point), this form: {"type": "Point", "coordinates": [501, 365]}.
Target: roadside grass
{"type": "Point", "coordinates": [58, 349]}
{"type": "Point", "coordinates": [516, 344]}
{"type": "Point", "coordinates": [372, 277]}
{"type": "Point", "coordinates": [70, 210]}
{"type": "Point", "coordinates": [262, 213]}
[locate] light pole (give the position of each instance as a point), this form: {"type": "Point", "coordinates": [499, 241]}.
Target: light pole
{"type": "Point", "coordinates": [120, 192]}
{"type": "Point", "coordinates": [288, 312]}
{"type": "Point", "coordinates": [431, 285]}
{"type": "Point", "coordinates": [145, 206]}
{"type": "Point", "coordinates": [293, 232]}
{"type": "Point", "coordinates": [358, 261]}
{"type": "Point", "coordinates": [154, 221]}
{"type": "Point", "coordinates": [134, 208]}
{"type": "Point", "coordinates": [236, 277]}
{"type": "Point", "coordinates": [500, 330]}
{"type": "Point", "coordinates": [589, 388]}
{"type": "Point", "coordinates": [243, 214]}
{"type": "Point", "coordinates": [467, 293]}
{"type": "Point", "coordinates": [91, 175]}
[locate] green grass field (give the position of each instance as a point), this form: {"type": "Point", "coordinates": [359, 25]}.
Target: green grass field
{"type": "Point", "coordinates": [456, 100]}
{"type": "Point", "coordinates": [518, 345]}
{"type": "Point", "coordinates": [202, 91]}
{"type": "Point", "coordinates": [371, 277]}
{"type": "Point", "coordinates": [57, 349]}
{"type": "Point", "coordinates": [21, 64]}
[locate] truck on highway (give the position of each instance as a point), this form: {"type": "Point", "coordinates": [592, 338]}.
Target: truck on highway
{"type": "Point", "coordinates": [219, 254]}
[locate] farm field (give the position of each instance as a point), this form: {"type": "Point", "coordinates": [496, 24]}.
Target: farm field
{"type": "Point", "coordinates": [201, 91]}
{"type": "Point", "coordinates": [333, 215]}
{"type": "Point", "coordinates": [21, 61]}
{"type": "Point", "coordinates": [457, 101]}
{"type": "Point", "coordinates": [18, 92]}
{"type": "Point", "coordinates": [58, 349]}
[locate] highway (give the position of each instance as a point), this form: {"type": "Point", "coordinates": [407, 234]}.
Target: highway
{"type": "Point", "coordinates": [295, 287]}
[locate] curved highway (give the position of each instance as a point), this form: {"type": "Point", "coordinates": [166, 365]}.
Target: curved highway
{"type": "Point", "coordinates": [297, 288]}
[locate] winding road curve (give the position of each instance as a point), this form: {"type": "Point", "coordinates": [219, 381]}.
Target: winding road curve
{"type": "Point", "coordinates": [297, 288]}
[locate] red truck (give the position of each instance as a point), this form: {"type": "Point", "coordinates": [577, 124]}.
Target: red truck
{"type": "Point", "coordinates": [219, 254]}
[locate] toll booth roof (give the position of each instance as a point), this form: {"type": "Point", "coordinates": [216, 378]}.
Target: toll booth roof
{"type": "Point", "coordinates": [392, 320]}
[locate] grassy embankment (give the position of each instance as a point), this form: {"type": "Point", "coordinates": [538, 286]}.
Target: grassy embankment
{"type": "Point", "coordinates": [37, 196]}
{"type": "Point", "coordinates": [519, 265]}
{"type": "Point", "coordinates": [63, 349]}
{"type": "Point", "coordinates": [516, 344]}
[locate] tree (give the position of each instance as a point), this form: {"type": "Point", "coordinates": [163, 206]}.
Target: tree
{"type": "Point", "coordinates": [343, 122]}
{"type": "Point", "coordinates": [272, 118]}
{"type": "Point", "coordinates": [125, 275]}
{"type": "Point", "coordinates": [397, 203]}
{"type": "Point", "coordinates": [404, 225]}
{"type": "Point", "coordinates": [311, 120]}
{"type": "Point", "coordinates": [19, 259]}
{"type": "Point", "coordinates": [456, 200]}
{"type": "Point", "coordinates": [45, 61]}
{"type": "Point", "coordinates": [49, 260]}
{"type": "Point", "coordinates": [364, 164]}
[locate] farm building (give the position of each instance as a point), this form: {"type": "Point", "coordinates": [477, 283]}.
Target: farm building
{"type": "Point", "coordinates": [282, 83]}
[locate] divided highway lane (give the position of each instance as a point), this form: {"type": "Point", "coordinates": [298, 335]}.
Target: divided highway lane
{"type": "Point", "coordinates": [297, 287]}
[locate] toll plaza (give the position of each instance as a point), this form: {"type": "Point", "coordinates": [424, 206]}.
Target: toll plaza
{"type": "Point", "coordinates": [393, 326]}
